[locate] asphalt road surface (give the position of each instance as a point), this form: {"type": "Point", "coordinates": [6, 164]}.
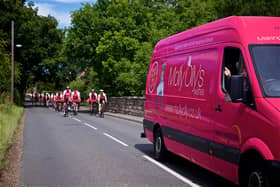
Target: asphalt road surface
{"type": "Point", "coordinates": [85, 150]}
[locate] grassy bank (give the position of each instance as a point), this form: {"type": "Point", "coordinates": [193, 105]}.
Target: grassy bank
{"type": "Point", "coordinates": [10, 116]}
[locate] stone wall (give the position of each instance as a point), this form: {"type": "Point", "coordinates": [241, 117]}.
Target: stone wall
{"type": "Point", "coordinates": [126, 105]}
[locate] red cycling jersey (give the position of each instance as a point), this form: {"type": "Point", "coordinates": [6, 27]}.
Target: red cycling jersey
{"type": "Point", "coordinates": [67, 94]}
{"type": "Point", "coordinates": [75, 96]}
{"type": "Point", "coordinates": [58, 97]}
{"type": "Point", "coordinates": [93, 96]}
{"type": "Point", "coordinates": [102, 97]}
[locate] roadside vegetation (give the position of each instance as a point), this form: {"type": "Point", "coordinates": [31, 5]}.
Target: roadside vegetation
{"type": "Point", "coordinates": [10, 119]}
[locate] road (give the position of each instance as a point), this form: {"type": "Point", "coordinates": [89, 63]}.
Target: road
{"type": "Point", "coordinates": [85, 150]}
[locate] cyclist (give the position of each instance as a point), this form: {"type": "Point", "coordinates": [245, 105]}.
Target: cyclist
{"type": "Point", "coordinates": [92, 100]}
{"type": "Point", "coordinates": [52, 98]}
{"type": "Point", "coordinates": [76, 99]}
{"type": "Point", "coordinates": [44, 99]}
{"type": "Point", "coordinates": [41, 98]}
{"type": "Point", "coordinates": [102, 99]}
{"type": "Point", "coordinates": [47, 98]}
{"type": "Point", "coordinates": [58, 100]}
{"type": "Point", "coordinates": [33, 98]}
{"type": "Point", "coordinates": [66, 96]}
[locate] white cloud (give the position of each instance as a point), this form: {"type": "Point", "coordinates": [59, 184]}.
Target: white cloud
{"type": "Point", "coordinates": [73, 1]}
{"type": "Point", "coordinates": [64, 19]}
{"type": "Point", "coordinates": [45, 9]}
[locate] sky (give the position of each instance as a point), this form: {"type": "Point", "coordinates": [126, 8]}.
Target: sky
{"type": "Point", "coordinates": [60, 9]}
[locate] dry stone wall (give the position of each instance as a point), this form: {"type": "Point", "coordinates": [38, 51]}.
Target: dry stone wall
{"type": "Point", "coordinates": [126, 105]}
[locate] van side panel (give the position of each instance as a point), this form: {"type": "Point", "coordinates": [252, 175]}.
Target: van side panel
{"type": "Point", "coordinates": [184, 108]}
{"type": "Point", "coordinates": [189, 85]}
{"type": "Point", "coordinates": [222, 35]}
{"type": "Point", "coordinates": [184, 96]}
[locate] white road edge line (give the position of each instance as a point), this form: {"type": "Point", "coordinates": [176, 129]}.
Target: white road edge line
{"type": "Point", "coordinates": [90, 126]}
{"type": "Point", "coordinates": [113, 138]}
{"type": "Point", "coordinates": [77, 119]}
{"type": "Point", "coordinates": [177, 175]}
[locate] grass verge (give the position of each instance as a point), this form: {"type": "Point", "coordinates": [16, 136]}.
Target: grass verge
{"type": "Point", "coordinates": [10, 118]}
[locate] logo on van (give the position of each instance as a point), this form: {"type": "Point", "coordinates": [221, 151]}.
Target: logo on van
{"type": "Point", "coordinates": [153, 77]}
{"type": "Point", "coordinates": [187, 75]}
{"type": "Point", "coordinates": [161, 82]}
{"type": "Point", "coordinates": [267, 38]}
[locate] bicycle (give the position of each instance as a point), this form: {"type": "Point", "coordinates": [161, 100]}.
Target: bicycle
{"type": "Point", "coordinates": [93, 108]}
{"type": "Point", "coordinates": [101, 114]}
{"type": "Point", "coordinates": [58, 107]}
{"type": "Point", "coordinates": [75, 105]}
{"type": "Point", "coordinates": [66, 108]}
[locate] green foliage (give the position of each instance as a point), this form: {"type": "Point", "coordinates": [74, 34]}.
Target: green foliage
{"type": "Point", "coordinates": [91, 80]}
{"type": "Point", "coordinates": [40, 40]}
{"type": "Point", "coordinates": [5, 71]}
{"type": "Point", "coordinates": [114, 40]}
{"type": "Point", "coordinates": [4, 98]}
{"type": "Point", "coordinates": [45, 86]}
{"type": "Point", "coordinates": [10, 116]}
{"type": "Point", "coordinates": [77, 84]}
{"type": "Point", "coordinates": [226, 8]}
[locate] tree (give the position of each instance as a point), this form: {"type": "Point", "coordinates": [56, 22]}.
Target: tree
{"type": "Point", "coordinates": [40, 38]}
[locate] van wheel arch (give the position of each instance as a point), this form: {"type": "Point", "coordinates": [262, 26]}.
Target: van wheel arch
{"type": "Point", "coordinates": [252, 166]}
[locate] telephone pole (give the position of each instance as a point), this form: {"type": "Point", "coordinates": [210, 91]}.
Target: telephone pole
{"type": "Point", "coordinates": [12, 61]}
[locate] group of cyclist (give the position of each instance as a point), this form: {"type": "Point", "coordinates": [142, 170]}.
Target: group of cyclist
{"type": "Point", "coordinates": [95, 99]}
{"type": "Point", "coordinates": [40, 98]}
{"type": "Point", "coordinates": [63, 100]}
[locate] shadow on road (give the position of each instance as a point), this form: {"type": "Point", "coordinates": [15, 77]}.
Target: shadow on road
{"type": "Point", "coordinates": [83, 110]}
{"type": "Point", "coordinates": [187, 169]}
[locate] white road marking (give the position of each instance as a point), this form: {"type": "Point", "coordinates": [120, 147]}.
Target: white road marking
{"type": "Point", "coordinates": [77, 119]}
{"type": "Point", "coordinates": [177, 175]}
{"type": "Point", "coordinates": [113, 138]}
{"type": "Point", "coordinates": [90, 126]}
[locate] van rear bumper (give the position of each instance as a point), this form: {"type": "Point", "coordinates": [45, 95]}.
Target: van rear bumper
{"type": "Point", "coordinates": [273, 169]}
{"type": "Point", "coordinates": [146, 123]}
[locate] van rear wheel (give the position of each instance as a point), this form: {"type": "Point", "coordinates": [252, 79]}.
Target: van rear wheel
{"type": "Point", "coordinates": [255, 175]}
{"type": "Point", "coordinates": [159, 147]}
{"type": "Point", "coordinates": [257, 179]}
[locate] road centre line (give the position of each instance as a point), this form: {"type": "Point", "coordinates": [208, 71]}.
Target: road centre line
{"type": "Point", "coordinates": [177, 175]}
{"type": "Point", "coordinates": [90, 126]}
{"type": "Point", "coordinates": [77, 119]}
{"type": "Point", "coordinates": [115, 139]}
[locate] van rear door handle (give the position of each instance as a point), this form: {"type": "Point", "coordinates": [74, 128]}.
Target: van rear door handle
{"type": "Point", "coordinates": [218, 108]}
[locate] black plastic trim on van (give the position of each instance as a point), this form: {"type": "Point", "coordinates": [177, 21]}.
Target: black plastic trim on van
{"type": "Point", "coordinates": [273, 170]}
{"type": "Point", "coordinates": [218, 150]}
{"type": "Point", "coordinates": [148, 124]}
{"type": "Point", "coordinates": [215, 149]}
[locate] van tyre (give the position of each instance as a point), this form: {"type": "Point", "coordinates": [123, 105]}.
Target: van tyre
{"type": "Point", "coordinates": [257, 179]}
{"type": "Point", "coordinates": [160, 151]}
{"type": "Point", "coordinates": [255, 176]}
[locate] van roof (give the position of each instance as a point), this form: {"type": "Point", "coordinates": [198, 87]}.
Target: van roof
{"type": "Point", "coordinates": [251, 30]}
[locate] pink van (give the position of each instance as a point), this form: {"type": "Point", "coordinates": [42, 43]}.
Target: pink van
{"type": "Point", "coordinates": [213, 97]}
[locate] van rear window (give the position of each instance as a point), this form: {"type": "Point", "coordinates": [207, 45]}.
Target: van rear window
{"type": "Point", "coordinates": [266, 59]}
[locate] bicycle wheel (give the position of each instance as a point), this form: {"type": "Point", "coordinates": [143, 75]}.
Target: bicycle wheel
{"type": "Point", "coordinates": [75, 109]}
